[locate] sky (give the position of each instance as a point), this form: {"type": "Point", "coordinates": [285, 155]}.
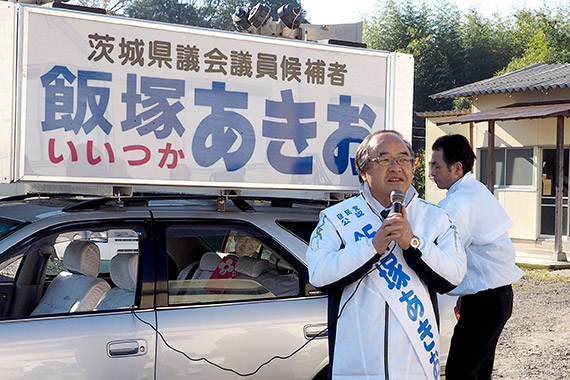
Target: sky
{"type": "Point", "coordinates": [343, 11]}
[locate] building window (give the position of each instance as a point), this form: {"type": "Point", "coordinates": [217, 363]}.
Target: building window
{"type": "Point", "coordinates": [513, 166]}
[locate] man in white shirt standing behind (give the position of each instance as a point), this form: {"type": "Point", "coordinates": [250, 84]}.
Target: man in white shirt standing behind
{"type": "Point", "coordinates": [486, 293]}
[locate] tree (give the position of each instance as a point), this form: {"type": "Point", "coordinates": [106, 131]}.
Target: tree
{"type": "Point", "coordinates": [447, 21]}
{"type": "Point", "coordinates": [393, 27]}
{"type": "Point", "coordinates": [215, 14]}
{"type": "Point", "coordinates": [542, 36]}
{"type": "Point", "coordinates": [488, 45]}
{"type": "Point", "coordinates": [451, 49]}
{"type": "Point", "coordinates": [419, 180]}
{"type": "Point", "coordinates": [431, 37]}
{"type": "Point", "coordinates": [194, 12]}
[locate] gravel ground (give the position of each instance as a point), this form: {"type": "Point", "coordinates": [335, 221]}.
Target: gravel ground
{"type": "Point", "coordinates": [535, 343]}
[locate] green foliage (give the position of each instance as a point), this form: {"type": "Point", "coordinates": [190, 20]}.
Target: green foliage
{"type": "Point", "coordinates": [487, 45]}
{"type": "Point", "coordinates": [431, 36]}
{"type": "Point", "coordinates": [542, 36]}
{"type": "Point", "coordinates": [462, 103]}
{"type": "Point", "coordinates": [451, 49]}
{"type": "Point", "coordinates": [419, 180]}
{"type": "Point", "coordinates": [171, 11]}
{"type": "Point", "coordinates": [215, 14]}
{"type": "Point", "coordinates": [112, 6]}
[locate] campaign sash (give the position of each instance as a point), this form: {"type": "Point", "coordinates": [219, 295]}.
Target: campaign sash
{"type": "Point", "coordinates": [404, 292]}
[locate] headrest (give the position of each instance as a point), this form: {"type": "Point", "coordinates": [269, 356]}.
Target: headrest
{"type": "Point", "coordinates": [82, 257]}
{"type": "Point", "coordinates": [209, 261]}
{"type": "Point", "coordinates": [123, 268]}
{"type": "Point", "coordinates": [251, 267]}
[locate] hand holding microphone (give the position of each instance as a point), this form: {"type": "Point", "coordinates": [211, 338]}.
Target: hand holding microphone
{"type": "Point", "coordinates": [397, 198]}
{"type": "Point", "coordinates": [396, 227]}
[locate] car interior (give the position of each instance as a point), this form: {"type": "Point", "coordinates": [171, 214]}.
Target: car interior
{"type": "Point", "coordinates": [96, 269]}
{"type": "Point", "coordinates": [224, 264]}
{"type": "Point", "coordinates": [77, 288]}
{"type": "Point", "coordinates": [73, 271]}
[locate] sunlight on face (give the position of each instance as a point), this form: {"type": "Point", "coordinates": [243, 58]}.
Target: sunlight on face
{"type": "Point", "coordinates": [246, 246]}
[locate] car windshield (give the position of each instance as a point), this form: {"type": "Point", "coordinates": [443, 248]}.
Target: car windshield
{"type": "Point", "coordinates": [7, 226]}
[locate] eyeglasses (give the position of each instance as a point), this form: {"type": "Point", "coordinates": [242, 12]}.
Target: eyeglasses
{"type": "Point", "coordinates": [387, 161]}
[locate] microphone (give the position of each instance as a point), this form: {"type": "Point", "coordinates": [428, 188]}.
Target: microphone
{"type": "Point", "coordinates": [397, 198]}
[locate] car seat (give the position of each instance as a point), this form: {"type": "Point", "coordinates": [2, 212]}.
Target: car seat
{"type": "Point", "coordinates": [208, 263]}
{"type": "Point", "coordinates": [250, 268]}
{"type": "Point", "coordinates": [245, 266]}
{"type": "Point", "coordinates": [77, 288]}
{"type": "Point", "coordinates": [188, 271]}
{"type": "Point", "coordinates": [263, 273]}
{"type": "Point", "coordinates": [123, 268]}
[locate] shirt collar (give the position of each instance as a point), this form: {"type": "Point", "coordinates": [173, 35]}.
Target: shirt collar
{"type": "Point", "coordinates": [467, 177]}
{"type": "Point", "coordinates": [376, 206]}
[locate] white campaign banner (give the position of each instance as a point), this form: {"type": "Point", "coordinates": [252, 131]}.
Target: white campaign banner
{"type": "Point", "coordinates": [114, 100]}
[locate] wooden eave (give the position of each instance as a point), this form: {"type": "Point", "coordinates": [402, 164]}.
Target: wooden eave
{"type": "Point", "coordinates": [516, 112]}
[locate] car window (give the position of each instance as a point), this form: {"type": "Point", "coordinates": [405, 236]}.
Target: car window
{"type": "Point", "coordinates": [226, 262]}
{"type": "Point", "coordinates": [110, 242]}
{"type": "Point", "coordinates": [9, 268]}
{"type": "Point", "coordinates": [302, 229]}
{"type": "Point", "coordinates": [7, 226]}
{"type": "Point", "coordinates": [73, 270]}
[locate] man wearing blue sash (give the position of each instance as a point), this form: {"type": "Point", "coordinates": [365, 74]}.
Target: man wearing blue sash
{"type": "Point", "coordinates": [381, 269]}
{"type": "Point", "coordinates": [486, 292]}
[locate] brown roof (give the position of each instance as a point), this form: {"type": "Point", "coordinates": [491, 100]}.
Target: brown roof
{"type": "Point", "coordinates": [514, 112]}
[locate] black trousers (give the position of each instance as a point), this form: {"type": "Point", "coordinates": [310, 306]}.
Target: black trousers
{"type": "Point", "coordinates": [482, 318]}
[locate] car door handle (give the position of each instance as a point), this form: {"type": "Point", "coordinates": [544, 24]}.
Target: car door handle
{"type": "Point", "coordinates": [316, 331]}
{"type": "Point", "coordinates": [122, 348]}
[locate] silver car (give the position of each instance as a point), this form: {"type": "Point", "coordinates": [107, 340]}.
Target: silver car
{"type": "Point", "coordinates": [161, 288]}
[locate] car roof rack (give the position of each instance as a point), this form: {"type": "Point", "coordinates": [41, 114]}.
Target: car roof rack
{"type": "Point", "coordinates": [89, 205]}
{"type": "Point", "coordinates": [28, 196]}
{"type": "Point", "coordinates": [243, 203]}
{"type": "Point", "coordinates": [124, 197]}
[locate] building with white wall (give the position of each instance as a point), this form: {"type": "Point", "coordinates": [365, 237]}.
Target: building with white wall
{"type": "Point", "coordinates": [524, 115]}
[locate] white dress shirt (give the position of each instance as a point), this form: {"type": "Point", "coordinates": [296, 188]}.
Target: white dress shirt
{"type": "Point", "coordinates": [482, 225]}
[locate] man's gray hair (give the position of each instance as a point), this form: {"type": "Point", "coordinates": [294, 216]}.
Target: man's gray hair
{"type": "Point", "coordinates": [362, 159]}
